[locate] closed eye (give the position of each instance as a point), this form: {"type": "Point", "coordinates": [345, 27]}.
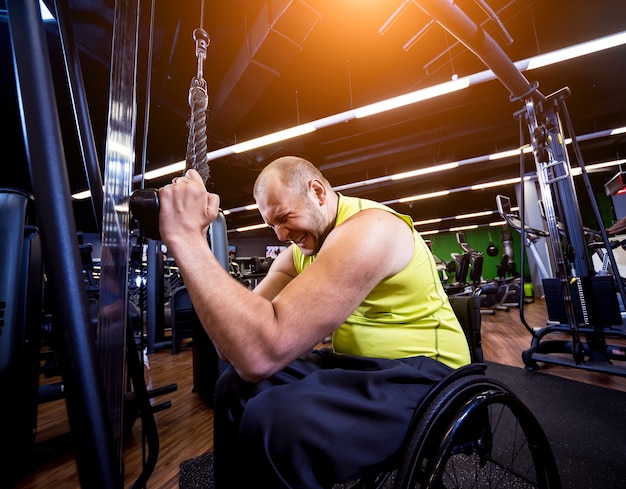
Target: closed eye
{"type": "Point", "coordinates": [280, 220]}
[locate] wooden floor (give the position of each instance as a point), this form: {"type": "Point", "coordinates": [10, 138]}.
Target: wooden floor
{"type": "Point", "coordinates": [185, 429]}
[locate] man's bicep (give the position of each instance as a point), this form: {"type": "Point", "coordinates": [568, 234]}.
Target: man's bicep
{"type": "Point", "coordinates": [350, 264]}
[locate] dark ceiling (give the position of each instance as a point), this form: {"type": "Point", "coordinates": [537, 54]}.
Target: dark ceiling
{"type": "Point", "coordinates": [272, 64]}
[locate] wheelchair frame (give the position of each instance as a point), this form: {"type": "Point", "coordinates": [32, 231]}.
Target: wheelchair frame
{"type": "Point", "coordinates": [463, 428]}
{"type": "Point", "coordinates": [459, 437]}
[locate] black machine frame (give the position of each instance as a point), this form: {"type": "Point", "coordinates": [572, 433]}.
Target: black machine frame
{"type": "Point", "coordinates": [546, 118]}
{"type": "Point", "coordinates": [84, 390]}
{"type": "Point", "coordinates": [99, 367]}
{"type": "Point", "coordinates": [95, 397]}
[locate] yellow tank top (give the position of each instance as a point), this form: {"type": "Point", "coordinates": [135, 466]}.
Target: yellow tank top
{"type": "Point", "coordinates": [405, 315]}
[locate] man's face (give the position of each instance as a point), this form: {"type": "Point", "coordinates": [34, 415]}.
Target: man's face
{"type": "Point", "coordinates": [295, 218]}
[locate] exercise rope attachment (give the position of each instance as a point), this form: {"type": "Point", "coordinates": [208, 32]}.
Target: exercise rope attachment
{"type": "Point", "coordinates": [144, 203]}
{"type": "Point", "coordinates": [198, 102]}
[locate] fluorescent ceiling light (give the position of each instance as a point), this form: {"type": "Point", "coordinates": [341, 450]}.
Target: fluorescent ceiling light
{"type": "Point", "coordinates": [412, 97]}
{"type": "Point", "coordinates": [178, 167]}
{"type": "Point", "coordinates": [463, 228]}
{"type": "Point", "coordinates": [274, 137]}
{"type": "Point", "coordinates": [578, 171]}
{"type": "Point", "coordinates": [442, 193]}
{"type": "Point", "coordinates": [474, 214]}
{"type": "Point", "coordinates": [510, 181]}
{"type": "Point", "coordinates": [428, 221]}
{"type": "Point", "coordinates": [430, 195]}
{"type": "Point", "coordinates": [576, 51]}
{"type": "Point", "coordinates": [250, 207]}
{"type": "Point", "coordinates": [498, 183]}
{"type": "Point", "coordinates": [425, 171]}
{"type": "Point", "coordinates": [512, 152]}
{"type": "Point", "coordinates": [452, 230]}
{"type": "Point", "coordinates": [251, 228]}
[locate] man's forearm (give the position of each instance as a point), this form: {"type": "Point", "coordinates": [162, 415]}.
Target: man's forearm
{"type": "Point", "coordinates": [240, 323]}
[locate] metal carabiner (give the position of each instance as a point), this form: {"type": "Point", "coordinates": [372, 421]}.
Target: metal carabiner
{"type": "Point", "coordinates": [202, 43]}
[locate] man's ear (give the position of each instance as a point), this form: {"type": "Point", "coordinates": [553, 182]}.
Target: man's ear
{"type": "Point", "coordinates": [319, 190]}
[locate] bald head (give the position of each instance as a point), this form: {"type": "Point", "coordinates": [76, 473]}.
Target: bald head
{"type": "Point", "coordinates": [297, 202]}
{"type": "Point", "coordinates": [290, 171]}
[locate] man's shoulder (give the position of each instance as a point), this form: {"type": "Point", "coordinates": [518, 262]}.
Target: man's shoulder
{"type": "Point", "coordinates": [372, 210]}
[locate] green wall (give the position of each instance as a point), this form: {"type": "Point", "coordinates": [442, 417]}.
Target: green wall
{"type": "Point", "coordinates": [445, 243]}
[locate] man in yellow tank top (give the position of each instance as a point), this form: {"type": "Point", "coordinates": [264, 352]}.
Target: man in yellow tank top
{"type": "Point", "coordinates": [286, 414]}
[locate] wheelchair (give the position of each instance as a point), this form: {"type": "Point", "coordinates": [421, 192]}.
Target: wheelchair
{"type": "Point", "coordinates": [470, 431]}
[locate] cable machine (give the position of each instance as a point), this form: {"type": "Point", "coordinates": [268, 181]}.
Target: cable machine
{"type": "Point", "coordinates": [97, 364]}
{"type": "Point", "coordinates": [94, 413]}
{"type": "Point", "coordinates": [585, 305]}
{"type": "Point", "coordinates": [85, 395]}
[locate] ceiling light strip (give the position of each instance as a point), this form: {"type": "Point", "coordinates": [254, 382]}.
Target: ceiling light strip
{"type": "Point", "coordinates": [179, 167]}
{"type": "Point", "coordinates": [419, 197]}
{"type": "Point", "coordinates": [577, 50]}
{"type": "Point", "coordinates": [452, 230]}
{"type": "Point", "coordinates": [463, 228]}
{"type": "Point", "coordinates": [453, 165]}
{"type": "Point", "coordinates": [441, 193]}
{"type": "Point", "coordinates": [420, 95]}
{"type": "Point", "coordinates": [474, 214]}
{"type": "Point", "coordinates": [454, 218]}
{"type": "Point", "coordinates": [558, 56]}
{"type": "Point", "coordinates": [255, 227]}
{"type": "Point", "coordinates": [460, 228]}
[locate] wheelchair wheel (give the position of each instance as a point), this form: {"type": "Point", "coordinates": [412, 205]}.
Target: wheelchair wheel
{"type": "Point", "coordinates": [477, 434]}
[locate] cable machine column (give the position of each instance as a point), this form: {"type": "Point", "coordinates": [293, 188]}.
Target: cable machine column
{"type": "Point", "coordinates": [89, 424]}
{"type": "Point", "coordinates": [557, 185]}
